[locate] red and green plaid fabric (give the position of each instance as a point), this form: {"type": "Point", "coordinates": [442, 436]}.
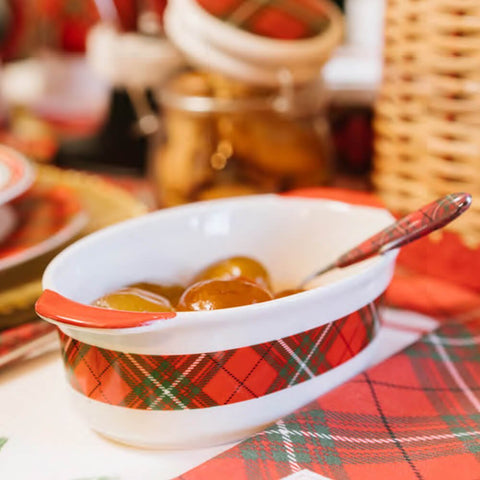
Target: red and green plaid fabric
{"type": "Point", "coordinates": [175, 382]}
{"type": "Point", "coordinates": [42, 212]}
{"type": "Point", "coordinates": [415, 416]}
{"type": "Point", "coordinates": [277, 19]}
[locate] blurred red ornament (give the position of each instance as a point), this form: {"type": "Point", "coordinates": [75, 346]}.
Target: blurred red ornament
{"type": "Point", "coordinates": [64, 24]}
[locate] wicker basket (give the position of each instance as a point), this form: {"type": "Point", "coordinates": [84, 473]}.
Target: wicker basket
{"type": "Point", "coordinates": [427, 119]}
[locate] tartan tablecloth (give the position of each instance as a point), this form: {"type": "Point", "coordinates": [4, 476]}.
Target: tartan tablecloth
{"type": "Point", "coordinates": [414, 416]}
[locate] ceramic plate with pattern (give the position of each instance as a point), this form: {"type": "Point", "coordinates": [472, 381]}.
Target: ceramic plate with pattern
{"type": "Point", "coordinates": [105, 204]}
{"type": "Point", "coordinates": [16, 174]}
{"type": "Point", "coordinates": [47, 218]}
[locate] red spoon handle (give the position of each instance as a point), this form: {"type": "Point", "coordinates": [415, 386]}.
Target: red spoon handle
{"type": "Point", "coordinates": [414, 225]}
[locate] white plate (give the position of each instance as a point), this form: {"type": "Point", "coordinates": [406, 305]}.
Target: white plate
{"type": "Point", "coordinates": [14, 251]}
{"type": "Point", "coordinates": [16, 174]}
{"type": "Point", "coordinates": [62, 236]}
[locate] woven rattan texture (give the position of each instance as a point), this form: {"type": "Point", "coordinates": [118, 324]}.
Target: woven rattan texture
{"type": "Point", "coordinates": [427, 115]}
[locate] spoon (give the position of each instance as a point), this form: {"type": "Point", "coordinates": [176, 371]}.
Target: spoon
{"type": "Point", "coordinates": [411, 227]}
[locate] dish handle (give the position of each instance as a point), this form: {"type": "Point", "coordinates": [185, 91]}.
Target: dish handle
{"type": "Point", "coordinates": [57, 309]}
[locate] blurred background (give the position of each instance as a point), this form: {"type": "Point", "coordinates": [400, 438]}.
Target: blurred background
{"type": "Point", "coordinates": [66, 100]}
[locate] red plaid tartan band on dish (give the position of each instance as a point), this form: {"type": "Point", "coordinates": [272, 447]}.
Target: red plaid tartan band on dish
{"type": "Point", "coordinates": [276, 19]}
{"type": "Point", "coordinates": [177, 382]}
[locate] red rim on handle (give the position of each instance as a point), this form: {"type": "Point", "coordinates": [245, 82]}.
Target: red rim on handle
{"type": "Point", "coordinates": [53, 306]}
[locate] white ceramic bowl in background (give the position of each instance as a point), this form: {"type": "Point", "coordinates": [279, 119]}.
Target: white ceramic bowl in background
{"type": "Point", "coordinates": [291, 236]}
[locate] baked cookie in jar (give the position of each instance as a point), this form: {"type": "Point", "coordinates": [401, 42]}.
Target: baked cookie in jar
{"type": "Point", "coordinates": [249, 117]}
{"type": "Point", "coordinates": [222, 138]}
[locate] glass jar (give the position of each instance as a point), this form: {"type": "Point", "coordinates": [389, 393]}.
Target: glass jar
{"type": "Point", "coordinates": [223, 138]}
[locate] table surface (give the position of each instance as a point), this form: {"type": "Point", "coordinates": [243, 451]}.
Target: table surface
{"type": "Point", "coordinates": [46, 440]}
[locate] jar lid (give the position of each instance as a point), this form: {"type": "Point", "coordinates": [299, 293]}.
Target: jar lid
{"type": "Point", "coordinates": [205, 56]}
{"type": "Point", "coordinates": [254, 41]}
